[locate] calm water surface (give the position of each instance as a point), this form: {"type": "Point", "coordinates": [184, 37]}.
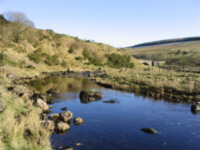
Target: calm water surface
{"type": "Point", "coordinates": [117, 126]}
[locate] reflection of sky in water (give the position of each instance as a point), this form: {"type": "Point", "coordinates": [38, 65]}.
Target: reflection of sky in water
{"type": "Point", "coordinates": [117, 126]}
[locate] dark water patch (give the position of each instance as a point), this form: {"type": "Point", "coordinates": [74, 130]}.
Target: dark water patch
{"type": "Point", "coordinates": [119, 126]}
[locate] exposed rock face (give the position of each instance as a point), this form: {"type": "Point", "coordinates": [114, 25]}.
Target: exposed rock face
{"type": "Point", "coordinates": [3, 105]}
{"type": "Point", "coordinates": [78, 121]}
{"type": "Point", "coordinates": [89, 95]}
{"type": "Point", "coordinates": [149, 130]}
{"type": "Point", "coordinates": [49, 125]}
{"type": "Point", "coordinates": [110, 101]}
{"type": "Point", "coordinates": [35, 96]}
{"type": "Point", "coordinates": [41, 104]}
{"type": "Point", "coordinates": [62, 127]}
{"type": "Point", "coordinates": [66, 116]}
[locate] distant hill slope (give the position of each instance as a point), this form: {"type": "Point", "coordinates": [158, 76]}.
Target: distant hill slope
{"type": "Point", "coordinates": [170, 41]}
{"type": "Point", "coordinates": [178, 52]}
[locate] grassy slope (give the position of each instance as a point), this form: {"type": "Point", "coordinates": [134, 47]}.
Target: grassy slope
{"type": "Point", "coordinates": [187, 53]}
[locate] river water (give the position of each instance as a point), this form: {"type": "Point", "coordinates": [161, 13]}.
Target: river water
{"type": "Point", "coordinates": [118, 126]}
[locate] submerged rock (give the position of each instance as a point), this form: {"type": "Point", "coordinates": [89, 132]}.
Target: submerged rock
{"type": "Point", "coordinates": [78, 121]}
{"type": "Point", "coordinates": [89, 95]}
{"type": "Point", "coordinates": [66, 116]}
{"type": "Point", "coordinates": [3, 105]}
{"type": "Point", "coordinates": [149, 130]}
{"type": "Point", "coordinates": [65, 108]}
{"type": "Point", "coordinates": [110, 101]}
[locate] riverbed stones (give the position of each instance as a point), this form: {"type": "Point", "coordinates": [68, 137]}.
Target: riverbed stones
{"type": "Point", "coordinates": [3, 105]}
{"type": "Point", "coordinates": [89, 95]}
{"type": "Point", "coordinates": [149, 130]}
{"type": "Point", "coordinates": [78, 121]}
{"type": "Point", "coordinates": [62, 127]}
{"type": "Point", "coordinates": [66, 116]}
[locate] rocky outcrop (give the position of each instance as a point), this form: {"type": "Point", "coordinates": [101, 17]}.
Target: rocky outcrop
{"type": "Point", "coordinates": [3, 105]}
{"type": "Point", "coordinates": [149, 130]}
{"type": "Point", "coordinates": [54, 117]}
{"type": "Point", "coordinates": [49, 125]}
{"type": "Point", "coordinates": [78, 121]}
{"type": "Point", "coordinates": [89, 95]}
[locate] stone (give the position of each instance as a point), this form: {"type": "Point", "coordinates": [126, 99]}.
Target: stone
{"type": "Point", "coordinates": [20, 89]}
{"type": "Point", "coordinates": [35, 96]}
{"type": "Point", "coordinates": [110, 101]}
{"type": "Point", "coordinates": [53, 91]}
{"type": "Point", "coordinates": [195, 107]}
{"type": "Point", "coordinates": [68, 148]}
{"type": "Point", "coordinates": [49, 125]}
{"type": "Point", "coordinates": [62, 127]}
{"type": "Point", "coordinates": [66, 116]}
{"type": "Point", "coordinates": [54, 117]}
{"type": "Point", "coordinates": [89, 95]}
{"type": "Point", "coordinates": [3, 105]}
{"type": "Point", "coordinates": [65, 108]}
{"type": "Point", "coordinates": [41, 104]}
{"type": "Point", "coordinates": [78, 144]}
{"type": "Point", "coordinates": [78, 121]}
{"type": "Point", "coordinates": [149, 130]}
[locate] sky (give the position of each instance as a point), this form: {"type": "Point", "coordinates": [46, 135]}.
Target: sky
{"type": "Point", "coordinates": [119, 23]}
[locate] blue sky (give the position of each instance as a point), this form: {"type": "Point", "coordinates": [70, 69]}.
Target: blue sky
{"type": "Point", "coordinates": [115, 22]}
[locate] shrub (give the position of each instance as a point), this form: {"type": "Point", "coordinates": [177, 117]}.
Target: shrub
{"type": "Point", "coordinates": [78, 58]}
{"type": "Point", "coordinates": [37, 56]}
{"type": "Point", "coordinates": [70, 50]}
{"type": "Point", "coordinates": [52, 60]}
{"type": "Point", "coordinates": [64, 64]}
{"type": "Point", "coordinates": [118, 61]}
{"type": "Point", "coordinates": [3, 59]}
{"type": "Point", "coordinates": [86, 54]}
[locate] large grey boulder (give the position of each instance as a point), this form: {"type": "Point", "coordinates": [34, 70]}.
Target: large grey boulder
{"type": "Point", "coordinates": [66, 116]}
{"type": "Point", "coordinates": [3, 105]}
{"type": "Point", "coordinates": [89, 95]}
{"type": "Point", "coordinates": [54, 117]}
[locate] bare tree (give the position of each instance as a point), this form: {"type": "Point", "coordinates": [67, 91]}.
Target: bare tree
{"type": "Point", "coordinates": [18, 17]}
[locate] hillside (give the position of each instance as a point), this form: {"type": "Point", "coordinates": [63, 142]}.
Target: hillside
{"type": "Point", "coordinates": [180, 54]}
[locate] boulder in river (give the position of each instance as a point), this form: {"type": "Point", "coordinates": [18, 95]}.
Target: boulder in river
{"type": "Point", "coordinates": [195, 108]}
{"type": "Point", "coordinates": [89, 95]}
{"type": "Point", "coordinates": [53, 91]}
{"type": "Point", "coordinates": [3, 105]}
{"type": "Point", "coordinates": [64, 108]}
{"type": "Point", "coordinates": [62, 127]}
{"type": "Point", "coordinates": [149, 130]}
{"type": "Point", "coordinates": [54, 117]}
{"type": "Point", "coordinates": [111, 101]}
{"type": "Point", "coordinates": [66, 116]}
{"type": "Point", "coordinates": [78, 121]}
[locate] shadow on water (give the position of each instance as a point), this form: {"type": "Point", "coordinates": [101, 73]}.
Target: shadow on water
{"type": "Point", "coordinates": [118, 126]}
